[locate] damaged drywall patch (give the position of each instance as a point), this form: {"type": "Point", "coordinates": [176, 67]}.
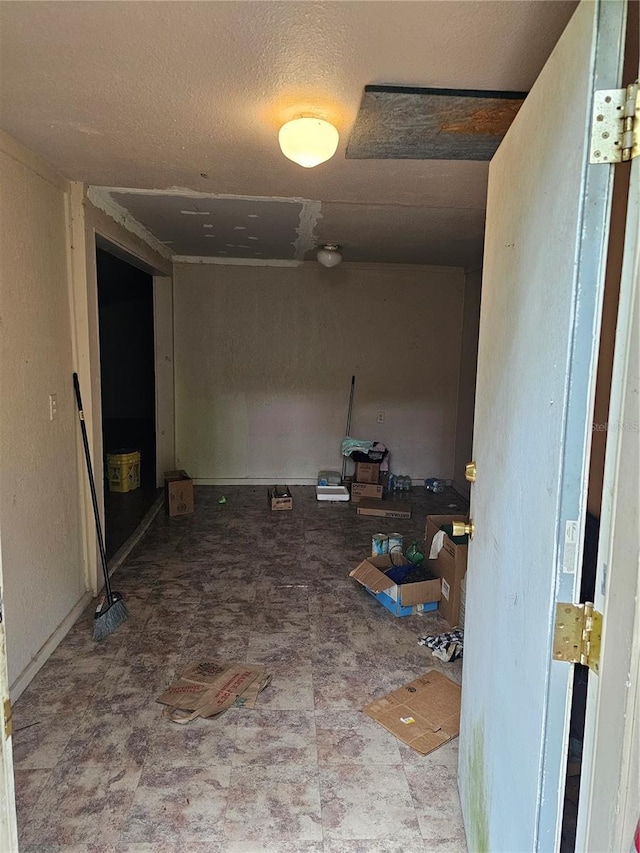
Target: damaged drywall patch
{"type": "Point", "coordinates": [309, 215]}
{"type": "Point", "coordinates": [271, 228]}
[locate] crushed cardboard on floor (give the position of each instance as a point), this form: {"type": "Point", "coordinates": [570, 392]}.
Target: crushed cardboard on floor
{"type": "Point", "coordinates": [424, 714]}
{"type": "Point", "coordinates": [206, 688]}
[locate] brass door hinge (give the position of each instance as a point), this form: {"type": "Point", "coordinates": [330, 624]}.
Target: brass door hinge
{"type": "Point", "coordinates": [8, 718]}
{"type": "Point", "coordinates": [576, 637]}
{"type": "Point", "coordinates": [615, 126]}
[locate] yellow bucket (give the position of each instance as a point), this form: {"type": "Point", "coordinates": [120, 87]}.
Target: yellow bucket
{"type": "Point", "coordinates": [123, 471]}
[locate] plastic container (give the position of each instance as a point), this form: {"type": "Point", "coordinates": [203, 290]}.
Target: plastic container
{"type": "Point", "coordinates": [434, 485]}
{"type": "Point", "coordinates": [123, 470]}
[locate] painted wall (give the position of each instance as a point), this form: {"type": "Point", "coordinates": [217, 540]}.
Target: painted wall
{"type": "Point", "coordinates": [264, 358]}
{"type": "Point", "coordinates": [39, 501]}
{"type": "Point", "coordinates": [467, 386]}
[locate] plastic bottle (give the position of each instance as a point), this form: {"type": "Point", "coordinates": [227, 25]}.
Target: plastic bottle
{"type": "Point", "coordinates": [433, 485]}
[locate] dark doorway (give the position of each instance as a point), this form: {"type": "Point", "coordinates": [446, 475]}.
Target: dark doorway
{"type": "Point", "coordinates": [127, 365]}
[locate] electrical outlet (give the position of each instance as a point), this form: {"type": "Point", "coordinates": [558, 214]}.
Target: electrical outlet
{"type": "Point", "coordinates": [53, 407]}
{"type": "Point", "coordinates": [380, 418]}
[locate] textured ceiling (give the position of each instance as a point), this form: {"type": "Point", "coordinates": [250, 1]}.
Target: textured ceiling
{"type": "Point", "coordinates": [189, 96]}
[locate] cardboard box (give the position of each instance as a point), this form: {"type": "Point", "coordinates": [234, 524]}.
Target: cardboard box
{"type": "Point", "coordinates": [367, 472]}
{"type": "Point", "coordinates": [384, 509]}
{"type": "Point", "coordinates": [424, 714]}
{"type": "Point", "coordinates": [280, 498]}
{"type": "Point", "coordinates": [365, 490]}
{"type": "Point", "coordinates": [400, 599]}
{"type": "Point", "coordinates": [178, 493]}
{"type": "Point", "coordinates": [450, 566]}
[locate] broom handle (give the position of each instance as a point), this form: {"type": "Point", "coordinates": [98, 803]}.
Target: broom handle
{"type": "Point", "coordinates": [344, 458]}
{"type": "Point", "coordinates": [94, 497]}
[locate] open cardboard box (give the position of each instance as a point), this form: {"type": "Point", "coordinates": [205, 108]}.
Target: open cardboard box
{"type": "Point", "coordinates": [424, 714]}
{"type": "Point", "coordinates": [280, 498]}
{"type": "Point", "coordinates": [400, 599]}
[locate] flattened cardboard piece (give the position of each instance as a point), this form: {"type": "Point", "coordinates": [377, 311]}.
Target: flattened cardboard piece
{"type": "Point", "coordinates": [384, 509]}
{"type": "Point", "coordinates": [207, 688]}
{"type": "Point", "coordinates": [424, 714]}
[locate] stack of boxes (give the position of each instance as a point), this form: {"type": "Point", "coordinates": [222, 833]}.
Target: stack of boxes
{"type": "Point", "coordinates": [366, 482]}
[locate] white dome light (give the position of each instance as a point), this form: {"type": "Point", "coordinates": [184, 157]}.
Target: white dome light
{"type": "Point", "coordinates": [329, 256]}
{"type": "Point", "coordinates": [308, 141]}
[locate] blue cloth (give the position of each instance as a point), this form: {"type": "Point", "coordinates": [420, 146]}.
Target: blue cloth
{"type": "Point", "coordinates": [399, 573]}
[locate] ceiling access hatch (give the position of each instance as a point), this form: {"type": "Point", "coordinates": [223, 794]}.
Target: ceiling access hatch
{"type": "Point", "coordinates": [406, 123]}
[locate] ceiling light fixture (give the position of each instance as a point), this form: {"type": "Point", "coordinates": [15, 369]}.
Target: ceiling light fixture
{"type": "Point", "coordinates": [329, 256]}
{"type": "Point", "coordinates": [308, 141]}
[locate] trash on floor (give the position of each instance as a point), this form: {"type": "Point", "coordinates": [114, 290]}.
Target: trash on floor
{"type": "Point", "coordinates": [178, 493]}
{"type": "Point", "coordinates": [207, 688]}
{"type": "Point", "coordinates": [424, 714]}
{"type": "Point", "coordinates": [447, 646]}
{"type": "Point", "coordinates": [280, 498]}
{"type": "Point", "coordinates": [222, 500]}
{"type": "Point", "coordinates": [435, 485]}
{"type": "Point", "coordinates": [411, 590]}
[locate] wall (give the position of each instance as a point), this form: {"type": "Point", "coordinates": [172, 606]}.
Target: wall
{"type": "Point", "coordinates": [264, 358]}
{"type": "Point", "coordinates": [39, 502]}
{"type": "Point", "coordinates": [467, 386]}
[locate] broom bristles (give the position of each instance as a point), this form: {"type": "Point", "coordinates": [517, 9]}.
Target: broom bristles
{"type": "Point", "coordinates": [107, 620]}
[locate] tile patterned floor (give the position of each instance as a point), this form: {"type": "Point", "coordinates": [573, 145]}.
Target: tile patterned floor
{"type": "Point", "coordinates": [99, 770]}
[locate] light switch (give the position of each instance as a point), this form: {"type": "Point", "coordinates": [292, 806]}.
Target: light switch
{"type": "Point", "coordinates": [53, 407]}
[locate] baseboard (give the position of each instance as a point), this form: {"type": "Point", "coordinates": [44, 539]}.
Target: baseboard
{"type": "Point", "coordinates": [37, 662]}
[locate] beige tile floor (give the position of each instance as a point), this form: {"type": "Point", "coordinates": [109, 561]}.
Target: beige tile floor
{"type": "Point", "coordinates": [99, 769]}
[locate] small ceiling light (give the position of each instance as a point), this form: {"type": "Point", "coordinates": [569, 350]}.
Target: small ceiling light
{"type": "Point", "coordinates": [308, 141]}
{"type": "Point", "coordinates": [329, 256]}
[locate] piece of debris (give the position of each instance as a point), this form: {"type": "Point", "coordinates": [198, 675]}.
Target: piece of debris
{"type": "Point", "coordinates": [222, 500]}
{"type": "Point", "coordinates": [207, 688]}
{"type": "Point", "coordinates": [447, 646]}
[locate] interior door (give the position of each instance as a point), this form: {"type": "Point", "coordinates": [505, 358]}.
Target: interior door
{"type": "Point", "coordinates": [545, 246]}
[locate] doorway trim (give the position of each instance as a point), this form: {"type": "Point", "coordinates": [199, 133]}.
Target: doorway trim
{"type": "Point", "coordinates": [91, 228]}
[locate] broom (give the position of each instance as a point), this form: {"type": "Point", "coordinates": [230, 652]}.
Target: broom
{"type": "Point", "coordinates": [112, 611]}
